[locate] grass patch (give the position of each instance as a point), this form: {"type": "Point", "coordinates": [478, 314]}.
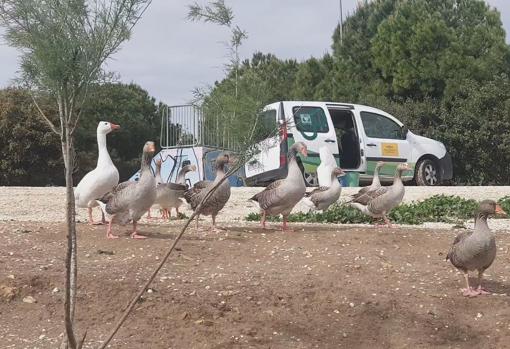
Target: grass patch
{"type": "Point", "coordinates": [438, 208]}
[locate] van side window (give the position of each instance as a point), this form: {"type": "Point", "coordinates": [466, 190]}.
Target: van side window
{"type": "Point", "coordinates": [268, 125]}
{"type": "Point", "coordinates": [310, 119]}
{"type": "Point", "coordinates": [378, 126]}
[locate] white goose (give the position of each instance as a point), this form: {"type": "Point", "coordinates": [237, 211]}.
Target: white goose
{"type": "Point", "coordinates": [100, 180]}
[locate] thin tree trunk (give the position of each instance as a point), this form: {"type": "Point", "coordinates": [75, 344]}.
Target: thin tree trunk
{"type": "Point", "coordinates": [70, 261]}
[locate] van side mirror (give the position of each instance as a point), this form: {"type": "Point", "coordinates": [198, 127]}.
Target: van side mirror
{"type": "Point", "coordinates": [405, 130]}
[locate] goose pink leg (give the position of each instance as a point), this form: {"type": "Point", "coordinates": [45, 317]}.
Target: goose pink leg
{"type": "Point", "coordinates": [135, 234]}
{"type": "Point", "coordinates": [263, 220]}
{"type": "Point", "coordinates": [468, 291]}
{"type": "Point", "coordinates": [285, 227]}
{"type": "Point", "coordinates": [215, 228]}
{"type": "Point", "coordinates": [480, 290]}
{"type": "Point", "coordinates": [387, 221]}
{"type": "Point", "coordinates": [109, 234]}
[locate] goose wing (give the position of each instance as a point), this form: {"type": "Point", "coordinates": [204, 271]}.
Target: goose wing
{"type": "Point", "coordinates": [456, 249]}
{"type": "Point", "coordinates": [118, 199]}
{"type": "Point", "coordinates": [369, 195]}
{"type": "Point", "coordinates": [316, 191]}
{"type": "Point", "coordinates": [272, 195]}
{"type": "Point", "coordinates": [193, 195]}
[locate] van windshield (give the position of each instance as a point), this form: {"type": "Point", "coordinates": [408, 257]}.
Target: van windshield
{"type": "Point", "coordinates": [310, 119]}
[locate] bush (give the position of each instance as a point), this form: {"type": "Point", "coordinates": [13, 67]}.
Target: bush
{"type": "Point", "coordinates": [504, 202]}
{"type": "Point", "coordinates": [438, 208]}
{"type": "Point", "coordinates": [30, 154]}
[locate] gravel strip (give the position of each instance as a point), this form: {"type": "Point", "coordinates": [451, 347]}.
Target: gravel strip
{"type": "Point", "coordinates": [46, 204]}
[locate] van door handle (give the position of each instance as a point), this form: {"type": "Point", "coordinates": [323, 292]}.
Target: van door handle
{"type": "Point", "coordinates": [329, 140]}
{"type": "Point", "coordinates": [371, 145]}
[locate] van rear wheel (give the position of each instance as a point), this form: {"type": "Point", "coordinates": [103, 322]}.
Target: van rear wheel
{"type": "Point", "coordinates": [427, 173]}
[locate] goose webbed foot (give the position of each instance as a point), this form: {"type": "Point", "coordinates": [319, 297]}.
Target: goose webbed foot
{"type": "Point", "coordinates": [482, 291]}
{"type": "Point", "coordinates": [134, 234]}
{"type": "Point", "coordinates": [215, 228]}
{"type": "Point", "coordinates": [109, 234]}
{"type": "Point", "coordinates": [285, 227]}
{"type": "Point", "coordinates": [469, 292]}
{"type": "Point", "coordinates": [387, 221]}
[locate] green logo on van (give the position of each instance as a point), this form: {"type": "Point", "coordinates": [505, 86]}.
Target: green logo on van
{"type": "Point", "coordinates": [311, 137]}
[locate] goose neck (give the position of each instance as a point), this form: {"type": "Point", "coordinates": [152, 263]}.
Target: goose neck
{"type": "Point", "coordinates": [146, 162]}
{"type": "Point", "coordinates": [398, 177]}
{"type": "Point", "coordinates": [103, 157]}
{"type": "Point", "coordinates": [481, 225]}
{"type": "Point", "coordinates": [220, 173]}
{"type": "Point", "coordinates": [334, 180]}
{"type": "Point", "coordinates": [375, 180]}
{"type": "Point", "coordinates": [294, 170]}
{"type": "Point", "coordinates": [181, 177]}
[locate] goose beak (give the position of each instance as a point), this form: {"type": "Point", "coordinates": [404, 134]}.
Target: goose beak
{"type": "Point", "coordinates": [114, 126]}
{"type": "Point", "coordinates": [500, 211]}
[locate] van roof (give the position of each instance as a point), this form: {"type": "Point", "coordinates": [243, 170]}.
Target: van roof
{"type": "Point", "coordinates": [347, 106]}
{"type": "Point", "coordinates": [338, 105]}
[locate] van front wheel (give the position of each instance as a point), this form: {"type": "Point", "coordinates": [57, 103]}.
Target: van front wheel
{"type": "Point", "coordinates": [427, 173]}
{"type": "Point", "coordinates": [311, 179]}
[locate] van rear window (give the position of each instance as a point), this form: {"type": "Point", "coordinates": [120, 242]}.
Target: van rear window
{"type": "Point", "coordinates": [310, 119]}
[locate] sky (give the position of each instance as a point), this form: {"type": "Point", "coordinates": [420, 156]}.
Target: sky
{"type": "Point", "coordinates": [169, 56]}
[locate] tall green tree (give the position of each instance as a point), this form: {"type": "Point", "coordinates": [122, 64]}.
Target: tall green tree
{"type": "Point", "coordinates": [309, 76]}
{"type": "Point", "coordinates": [354, 60]}
{"type": "Point", "coordinates": [430, 47]}
{"type": "Point", "coordinates": [64, 45]}
{"type": "Point", "coordinates": [29, 154]}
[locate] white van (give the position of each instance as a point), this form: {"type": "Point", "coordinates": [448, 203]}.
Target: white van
{"type": "Point", "coordinates": [358, 136]}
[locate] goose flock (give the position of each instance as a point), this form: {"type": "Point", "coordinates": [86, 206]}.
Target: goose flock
{"type": "Point", "coordinates": [128, 201]}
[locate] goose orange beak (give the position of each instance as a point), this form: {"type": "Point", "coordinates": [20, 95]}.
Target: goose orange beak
{"type": "Point", "coordinates": [114, 126]}
{"type": "Point", "coordinates": [500, 211]}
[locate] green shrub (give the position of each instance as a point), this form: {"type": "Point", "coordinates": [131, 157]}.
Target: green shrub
{"type": "Point", "coordinates": [438, 208]}
{"type": "Point", "coordinates": [504, 202]}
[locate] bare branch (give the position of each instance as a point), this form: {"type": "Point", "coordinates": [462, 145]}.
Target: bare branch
{"type": "Point", "coordinates": [48, 121]}
{"type": "Point", "coordinates": [135, 299]}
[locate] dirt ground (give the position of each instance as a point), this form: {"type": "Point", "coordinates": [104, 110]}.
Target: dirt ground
{"type": "Point", "coordinates": [318, 287]}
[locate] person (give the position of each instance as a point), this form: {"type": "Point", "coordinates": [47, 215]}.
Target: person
{"type": "Point", "coordinates": [349, 144]}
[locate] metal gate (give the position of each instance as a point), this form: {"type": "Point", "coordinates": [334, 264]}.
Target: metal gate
{"type": "Point", "coordinates": [187, 126]}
